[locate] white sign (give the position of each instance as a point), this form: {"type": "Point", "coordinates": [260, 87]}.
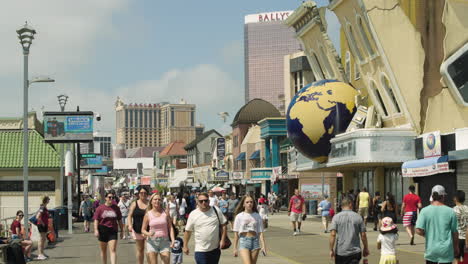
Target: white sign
{"type": "Point", "coordinates": [267, 17]}
{"type": "Point", "coordinates": [427, 170]}
{"type": "Point", "coordinates": [431, 144]}
{"type": "Point", "coordinates": [314, 191]}
{"type": "Point", "coordinates": [237, 175]}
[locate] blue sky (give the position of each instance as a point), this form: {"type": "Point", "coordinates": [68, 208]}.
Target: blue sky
{"type": "Point", "coordinates": [144, 51]}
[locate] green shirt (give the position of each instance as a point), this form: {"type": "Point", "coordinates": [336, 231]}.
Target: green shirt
{"type": "Point", "coordinates": [438, 223]}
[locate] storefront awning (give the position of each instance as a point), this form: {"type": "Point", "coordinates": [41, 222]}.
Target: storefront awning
{"type": "Point", "coordinates": [255, 155]}
{"type": "Point", "coordinates": [425, 167]}
{"type": "Point", "coordinates": [241, 156]}
{"type": "Point", "coordinates": [458, 154]}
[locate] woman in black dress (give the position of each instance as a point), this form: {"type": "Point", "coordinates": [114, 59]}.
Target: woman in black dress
{"type": "Point", "coordinates": [390, 207]}
{"type": "Point", "coordinates": [136, 213]}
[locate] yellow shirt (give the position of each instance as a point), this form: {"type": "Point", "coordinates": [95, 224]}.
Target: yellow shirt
{"type": "Point", "coordinates": [363, 200]}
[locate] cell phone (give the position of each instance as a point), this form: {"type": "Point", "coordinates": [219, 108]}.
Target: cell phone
{"type": "Point", "coordinates": [263, 252]}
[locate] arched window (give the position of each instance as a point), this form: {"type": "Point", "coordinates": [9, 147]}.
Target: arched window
{"type": "Point", "coordinates": [389, 89]}
{"type": "Point", "coordinates": [348, 65]}
{"type": "Point", "coordinates": [326, 63]}
{"type": "Point", "coordinates": [365, 39]}
{"type": "Point", "coordinates": [317, 69]}
{"type": "Point", "coordinates": [380, 104]}
{"type": "Point", "coordinates": [353, 44]}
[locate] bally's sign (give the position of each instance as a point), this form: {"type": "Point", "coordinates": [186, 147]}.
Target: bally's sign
{"type": "Point", "coordinates": [267, 17]}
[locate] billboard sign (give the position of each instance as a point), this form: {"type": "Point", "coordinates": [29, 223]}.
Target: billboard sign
{"type": "Point", "coordinates": [267, 17]}
{"type": "Point", "coordinates": [60, 127]}
{"type": "Point", "coordinates": [431, 144]}
{"type": "Point", "coordinates": [91, 163]}
{"type": "Point", "coordinates": [220, 148]}
{"type": "Point", "coordinates": [314, 191]}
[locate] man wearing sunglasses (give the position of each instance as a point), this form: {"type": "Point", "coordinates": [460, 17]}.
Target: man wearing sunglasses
{"type": "Point", "coordinates": [206, 223]}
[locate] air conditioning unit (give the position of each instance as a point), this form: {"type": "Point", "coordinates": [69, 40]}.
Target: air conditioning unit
{"type": "Point", "coordinates": [455, 73]}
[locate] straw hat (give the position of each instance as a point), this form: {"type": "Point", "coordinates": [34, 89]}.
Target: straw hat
{"type": "Point", "coordinates": [387, 224]}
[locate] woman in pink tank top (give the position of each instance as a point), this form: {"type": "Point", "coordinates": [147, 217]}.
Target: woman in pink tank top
{"type": "Point", "coordinates": [160, 233]}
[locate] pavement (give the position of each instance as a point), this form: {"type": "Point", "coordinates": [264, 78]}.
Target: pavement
{"type": "Point", "coordinates": [311, 246]}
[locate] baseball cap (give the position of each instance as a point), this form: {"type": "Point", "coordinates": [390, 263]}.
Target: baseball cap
{"type": "Point", "coordinates": [438, 189]}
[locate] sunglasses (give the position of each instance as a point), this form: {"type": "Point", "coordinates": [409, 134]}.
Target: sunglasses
{"type": "Point", "coordinates": [20, 215]}
{"type": "Point", "coordinates": [203, 201]}
{"type": "Point", "coordinates": [110, 197]}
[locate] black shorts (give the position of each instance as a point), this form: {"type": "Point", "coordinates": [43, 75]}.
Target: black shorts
{"type": "Point", "coordinates": [230, 216]}
{"type": "Point", "coordinates": [461, 247]}
{"type": "Point", "coordinates": [352, 259]}
{"type": "Point", "coordinates": [107, 234]}
{"type": "Point", "coordinates": [42, 228]}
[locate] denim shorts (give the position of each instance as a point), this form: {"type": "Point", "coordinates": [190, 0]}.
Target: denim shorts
{"type": "Point", "coordinates": [158, 245]}
{"type": "Point", "coordinates": [250, 243]}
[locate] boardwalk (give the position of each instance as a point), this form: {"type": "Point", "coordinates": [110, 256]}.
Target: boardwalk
{"type": "Point", "coordinates": [310, 247]}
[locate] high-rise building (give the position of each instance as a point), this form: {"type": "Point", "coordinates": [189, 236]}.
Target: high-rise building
{"type": "Point", "coordinates": [154, 125]}
{"type": "Point", "coordinates": [266, 41]}
{"type": "Point", "coordinates": [101, 144]}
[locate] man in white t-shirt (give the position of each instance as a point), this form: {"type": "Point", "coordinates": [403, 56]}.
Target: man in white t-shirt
{"type": "Point", "coordinates": [205, 222]}
{"type": "Point", "coordinates": [213, 199]}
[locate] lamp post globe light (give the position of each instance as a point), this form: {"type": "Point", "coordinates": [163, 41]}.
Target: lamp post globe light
{"type": "Point", "coordinates": [62, 100]}
{"type": "Point", "coordinates": [26, 36]}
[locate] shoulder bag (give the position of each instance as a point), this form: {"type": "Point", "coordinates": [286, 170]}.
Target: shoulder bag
{"type": "Point", "coordinates": [227, 241]}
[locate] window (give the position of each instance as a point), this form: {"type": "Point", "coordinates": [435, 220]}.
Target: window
{"type": "Point", "coordinates": [395, 183]}
{"type": "Point", "coordinates": [235, 141]}
{"type": "Point", "coordinates": [34, 186]}
{"type": "Point", "coordinates": [365, 39]}
{"type": "Point", "coordinates": [192, 118]}
{"type": "Point", "coordinates": [140, 121]}
{"type": "Point", "coordinates": [380, 104]}
{"type": "Point", "coordinates": [172, 117]}
{"type": "Point", "coordinates": [146, 118]}
{"type": "Point", "coordinates": [207, 157]}
{"type": "Point", "coordinates": [131, 117]}
{"type": "Point", "coordinates": [348, 65]}
{"type": "Point", "coordinates": [388, 88]}
{"type": "Point", "coordinates": [364, 178]}
{"type": "Point", "coordinates": [326, 63]}
{"type": "Point", "coordinates": [150, 118]}
{"type": "Point", "coordinates": [357, 72]}
{"type": "Point", "coordinates": [318, 72]}
{"type": "Point", "coordinates": [353, 44]}
{"type": "Point", "coordinates": [298, 81]}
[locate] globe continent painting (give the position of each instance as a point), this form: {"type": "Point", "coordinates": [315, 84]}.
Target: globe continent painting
{"type": "Point", "coordinates": [317, 113]}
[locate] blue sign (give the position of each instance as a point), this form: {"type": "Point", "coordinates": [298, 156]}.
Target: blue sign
{"type": "Point", "coordinates": [222, 175]}
{"type": "Point", "coordinates": [68, 127]}
{"type": "Point", "coordinates": [104, 169]}
{"type": "Point", "coordinates": [91, 163]}
{"type": "Point", "coordinates": [260, 174]}
{"type": "Point", "coordinates": [79, 124]}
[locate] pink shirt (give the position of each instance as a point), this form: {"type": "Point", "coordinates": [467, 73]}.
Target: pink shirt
{"type": "Point", "coordinates": [158, 224]}
{"type": "Point", "coordinates": [296, 203]}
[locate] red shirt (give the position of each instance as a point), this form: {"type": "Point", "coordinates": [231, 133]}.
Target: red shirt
{"type": "Point", "coordinates": [14, 225]}
{"type": "Point", "coordinates": [44, 216]}
{"type": "Point", "coordinates": [296, 203]}
{"type": "Point", "coordinates": [108, 216]}
{"type": "Point", "coordinates": [411, 201]}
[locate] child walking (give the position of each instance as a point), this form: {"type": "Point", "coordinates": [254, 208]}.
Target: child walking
{"type": "Point", "coordinates": [176, 251]}
{"type": "Point", "coordinates": [263, 211]}
{"type": "Point", "coordinates": [386, 241]}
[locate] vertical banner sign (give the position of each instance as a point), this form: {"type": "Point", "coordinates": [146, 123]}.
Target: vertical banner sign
{"type": "Point", "coordinates": [220, 148]}
{"type": "Point", "coordinates": [431, 144]}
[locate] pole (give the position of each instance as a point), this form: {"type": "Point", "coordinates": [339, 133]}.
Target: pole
{"type": "Point", "coordinates": [62, 170]}
{"type": "Point", "coordinates": [69, 198]}
{"type": "Point", "coordinates": [25, 144]}
{"type": "Point", "coordinates": [78, 171]}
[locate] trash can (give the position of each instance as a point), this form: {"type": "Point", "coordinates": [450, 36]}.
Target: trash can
{"type": "Point", "coordinates": [62, 217]}
{"type": "Point", "coordinates": [313, 207]}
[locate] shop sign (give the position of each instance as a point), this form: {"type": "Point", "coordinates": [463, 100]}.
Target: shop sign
{"type": "Point", "coordinates": [314, 191]}
{"type": "Point", "coordinates": [237, 175]}
{"type": "Point", "coordinates": [261, 174]}
{"type": "Point", "coordinates": [222, 175]}
{"type": "Point", "coordinates": [340, 150]}
{"type": "Point", "coordinates": [431, 144]}
{"type": "Point", "coordinates": [432, 169]}
{"type": "Point", "coordinates": [220, 148]}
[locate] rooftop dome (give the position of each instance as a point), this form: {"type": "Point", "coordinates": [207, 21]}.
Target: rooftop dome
{"type": "Point", "coordinates": [254, 111]}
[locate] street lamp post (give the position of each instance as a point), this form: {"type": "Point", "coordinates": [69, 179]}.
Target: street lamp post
{"type": "Point", "coordinates": [62, 99]}
{"type": "Point", "coordinates": [26, 35]}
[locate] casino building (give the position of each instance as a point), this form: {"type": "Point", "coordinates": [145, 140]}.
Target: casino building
{"type": "Point", "coordinates": [266, 41]}
{"type": "Point", "coordinates": [410, 126]}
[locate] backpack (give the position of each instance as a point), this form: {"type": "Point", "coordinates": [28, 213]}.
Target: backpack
{"type": "Point", "coordinates": [14, 253]}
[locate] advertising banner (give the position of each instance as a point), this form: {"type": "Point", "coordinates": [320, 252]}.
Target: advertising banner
{"type": "Point", "coordinates": [68, 127]}
{"type": "Point", "coordinates": [431, 144]}
{"type": "Point", "coordinates": [260, 174]}
{"type": "Point", "coordinates": [431, 169]}
{"type": "Point", "coordinates": [220, 148]}
{"type": "Point", "coordinates": [314, 191]}
{"type": "Point", "coordinates": [237, 175]}
{"type": "Point", "coordinates": [222, 176]}
{"type": "Point", "coordinates": [91, 163]}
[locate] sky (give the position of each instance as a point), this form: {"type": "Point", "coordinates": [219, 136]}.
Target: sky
{"type": "Point", "coordinates": [144, 51]}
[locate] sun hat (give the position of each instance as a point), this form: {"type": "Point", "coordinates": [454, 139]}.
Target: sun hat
{"type": "Point", "coordinates": [438, 189]}
{"type": "Point", "coordinates": [387, 225]}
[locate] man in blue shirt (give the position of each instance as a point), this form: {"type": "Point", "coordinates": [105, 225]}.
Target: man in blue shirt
{"type": "Point", "coordinates": [325, 206]}
{"type": "Point", "coordinates": [438, 224]}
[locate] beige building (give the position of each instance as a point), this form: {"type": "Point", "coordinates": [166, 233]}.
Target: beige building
{"type": "Point", "coordinates": [154, 125]}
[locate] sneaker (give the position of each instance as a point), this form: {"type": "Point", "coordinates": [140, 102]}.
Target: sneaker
{"type": "Point", "coordinates": [26, 259]}
{"type": "Point", "coordinates": [41, 257]}
{"type": "Point", "coordinates": [295, 234]}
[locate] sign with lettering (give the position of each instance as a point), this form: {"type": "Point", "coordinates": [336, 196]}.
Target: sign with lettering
{"type": "Point", "coordinates": [220, 148]}
{"type": "Point", "coordinates": [431, 144]}
{"type": "Point", "coordinates": [261, 174]}
{"type": "Point", "coordinates": [237, 175]}
{"type": "Point", "coordinates": [68, 127]}
{"type": "Point", "coordinates": [267, 17]}
{"type": "Point", "coordinates": [314, 191]}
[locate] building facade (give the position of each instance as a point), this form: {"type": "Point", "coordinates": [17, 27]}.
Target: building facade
{"type": "Point", "coordinates": [266, 41]}
{"type": "Point", "coordinates": [102, 144]}
{"type": "Point", "coordinates": [154, 125]}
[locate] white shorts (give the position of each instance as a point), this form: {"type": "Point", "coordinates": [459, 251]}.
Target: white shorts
{"type": "Point", "coordinates": [295, 217]}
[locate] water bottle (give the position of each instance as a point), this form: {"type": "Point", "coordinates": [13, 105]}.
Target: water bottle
{"type": "Point", "coordinates": [365, 261]}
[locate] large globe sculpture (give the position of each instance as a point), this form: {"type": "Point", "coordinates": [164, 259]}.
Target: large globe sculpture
{"type": "Point", "coordinates": [317, 113]}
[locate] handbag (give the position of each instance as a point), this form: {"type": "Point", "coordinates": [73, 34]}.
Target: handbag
{"type": "Point", "coordinates": [227, 241]}
{"type": "Point", "coordinates": [33, 219]}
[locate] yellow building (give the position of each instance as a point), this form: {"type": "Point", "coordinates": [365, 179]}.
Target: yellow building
{"type": "Point", "coordinates": [154, 125]}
